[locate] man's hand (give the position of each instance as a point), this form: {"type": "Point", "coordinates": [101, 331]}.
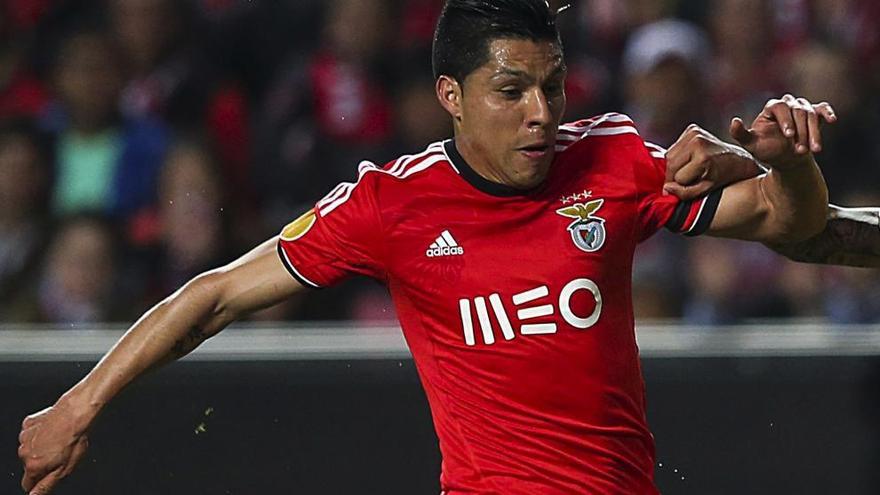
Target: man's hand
{"type": "Point", "coordinates": [50, 446]}
{"type": "Point", "coordinates": [784, 133]}
{"type": "Point", "coordinates": [700, 162]}
{"type": "Point", "coordinates": [54, 440]}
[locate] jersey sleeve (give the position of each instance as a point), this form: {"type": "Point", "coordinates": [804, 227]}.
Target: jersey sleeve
{"type": "Point", "coordinates": [658, 209]}
{"type": "Point", "coordinates": [341, 236]}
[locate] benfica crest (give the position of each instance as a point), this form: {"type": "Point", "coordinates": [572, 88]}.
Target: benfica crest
{"type": "Point", "coordinates": [588, 230]}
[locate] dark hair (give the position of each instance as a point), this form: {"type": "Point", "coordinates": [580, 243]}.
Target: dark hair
{"type": "Point", "coordinates": [466, 28]}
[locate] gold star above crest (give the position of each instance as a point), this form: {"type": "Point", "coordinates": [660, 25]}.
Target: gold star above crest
{"type": "Point", "coordinates": [581, 196]}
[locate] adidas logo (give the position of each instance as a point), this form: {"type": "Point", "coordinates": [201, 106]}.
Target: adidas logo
{"type": "Point", "coordinates": [445, 245]}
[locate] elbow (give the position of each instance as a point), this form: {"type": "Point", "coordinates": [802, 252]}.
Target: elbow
{"type": "Point", "coordinates": [206, 292]}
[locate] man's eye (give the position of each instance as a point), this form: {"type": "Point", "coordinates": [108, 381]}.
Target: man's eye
{"type": "Point", "coordinates": [510, 93]}
{"type": "Point", "coordinates": [554, 90]}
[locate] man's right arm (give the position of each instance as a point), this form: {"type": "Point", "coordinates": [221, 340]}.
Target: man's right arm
{"type": "Point", "coordinates": [53, 440]}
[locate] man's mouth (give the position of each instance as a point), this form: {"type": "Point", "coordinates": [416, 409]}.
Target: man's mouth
{"type": "Point", "coordinates": [535, 151]}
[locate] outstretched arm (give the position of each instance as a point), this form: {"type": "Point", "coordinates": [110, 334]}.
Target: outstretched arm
{"type": "Point", "coordinates": [788, 204]}
{"type": "Point", "coordinates": [52, 441]}
{"type": "Point", "coordinates": [693, 171]}
{"type": "Point", "coordinates": [851, 237]}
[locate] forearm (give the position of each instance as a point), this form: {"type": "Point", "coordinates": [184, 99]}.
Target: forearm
{"type": "Point", "coordinates": [797, 200]}
{"type": "Point", "coordinates": [167, 332]}
{"type": "Point", "coordinates": [180, 323]}
{"type": "Point", "coordinates": [851, 237]}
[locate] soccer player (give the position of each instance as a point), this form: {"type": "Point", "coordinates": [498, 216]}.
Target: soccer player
{"type": "Point", "coordinates": [508, 253]}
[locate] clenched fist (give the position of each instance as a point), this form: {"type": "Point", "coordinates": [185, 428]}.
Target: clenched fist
{"type": "Point", "coordinates": [50, 446]}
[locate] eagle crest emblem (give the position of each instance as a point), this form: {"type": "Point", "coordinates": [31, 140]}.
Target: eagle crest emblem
{"type": "Point", "coordinates": [587, 230]}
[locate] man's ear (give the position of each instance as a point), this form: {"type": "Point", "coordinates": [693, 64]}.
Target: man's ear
{"type": "Point", "coordinates": [449, 93]}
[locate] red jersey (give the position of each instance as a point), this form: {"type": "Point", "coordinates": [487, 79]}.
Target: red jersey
{"type": "Point", "coordinates": [516, 305]}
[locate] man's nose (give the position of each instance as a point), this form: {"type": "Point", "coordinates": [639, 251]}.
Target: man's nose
{"type": "Point", "coordinates": [538, 109]}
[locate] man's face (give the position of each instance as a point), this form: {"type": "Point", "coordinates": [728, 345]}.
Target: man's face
{"type": "Point", "coordinates": [509, 111]}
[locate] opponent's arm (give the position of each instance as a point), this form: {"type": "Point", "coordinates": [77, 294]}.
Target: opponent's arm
{"type": "Point", "coordinates": [52, 441]}
{"type": "Point", "coordinates": [693, 170]}
{"type": "Point", "coordinates": [789, 203]}
{"type": "Point", "coordinates": [784, 206]}
{"type": "Point", "coordinates": [851, 237]}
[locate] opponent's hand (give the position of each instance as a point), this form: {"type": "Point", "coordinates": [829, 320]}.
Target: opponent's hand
{"type": "Point", "coordinates": [50, 446]}
{"type": "Point", "coordinates": [786, 133]}
{"type": "Point", "coordinates": [699, 162]}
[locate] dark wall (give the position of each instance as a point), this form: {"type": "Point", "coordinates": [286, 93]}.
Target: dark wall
{"type": "Point", "coordinates": [727, 426]}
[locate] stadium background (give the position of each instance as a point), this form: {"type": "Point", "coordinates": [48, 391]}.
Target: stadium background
{"type": "Point", "coordinates": [143, 141]}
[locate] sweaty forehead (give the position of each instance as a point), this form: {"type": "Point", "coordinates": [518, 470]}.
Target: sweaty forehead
{"type": "Point", "coordinates": [528, 57]}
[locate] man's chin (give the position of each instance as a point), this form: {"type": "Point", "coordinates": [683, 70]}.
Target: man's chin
{"type": "Point", "coordinates": [530, 178]}
{"type": "Point", "coordinates": [533, 173]}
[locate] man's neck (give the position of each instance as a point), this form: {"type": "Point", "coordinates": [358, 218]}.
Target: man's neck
{"type": "Point", "coordinates": [476, 162]}
{"type": "Point", "coordinates": [478, 181]}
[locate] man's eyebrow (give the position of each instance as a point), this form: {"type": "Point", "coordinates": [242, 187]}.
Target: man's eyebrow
{"type": "Point", "coordinates": [560, 68]}
{"type": "Point", "coordinates": [510, 72]}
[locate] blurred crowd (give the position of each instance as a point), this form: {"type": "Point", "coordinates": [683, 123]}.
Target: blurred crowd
{"type": "Point", "coordinates": [144, 141]}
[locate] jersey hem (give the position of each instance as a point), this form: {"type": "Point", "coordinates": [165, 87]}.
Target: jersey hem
{"type": "Point", "coordinates": [679, 216]}
{"type": "Point", "coordinates": [679, 223]}
{"type": "Point", "coordinates": [706, 214]}
{"type": "Point", "coordinates": [292, 269]}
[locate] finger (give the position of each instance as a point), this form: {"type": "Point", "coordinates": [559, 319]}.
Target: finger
{"type": "Point", "coordinates": [21, 436]}
{"type": "Point", "coordinates": [826, 111]}
{"type": "Point", "coordinates": [47, 484]}
{"type": "Point", "coordinates": [813, 126]}
{"type": "Point", "coordinates": [22, 452]}
{"type": "Point", "coordinates": [79, 450]}
{"type": "Point", "coordinates": [28, 480]}
{"type": "Point", "coordinates": [675, 159]}
{"type": "Point", "coordinates": [780, 112]}
{"type": "Point", "coordinates": [679, 153]}
{"type": "Point", "coordinates": [33, 473]}
{"type": "Point", "coordinates": [687, 193]}
{"type": "Point", "coordinates": [801, 138]}
{"type": "Point", "coordinates": [740, 133]}
{"type": "Point", "coordinates": [692, 172]}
